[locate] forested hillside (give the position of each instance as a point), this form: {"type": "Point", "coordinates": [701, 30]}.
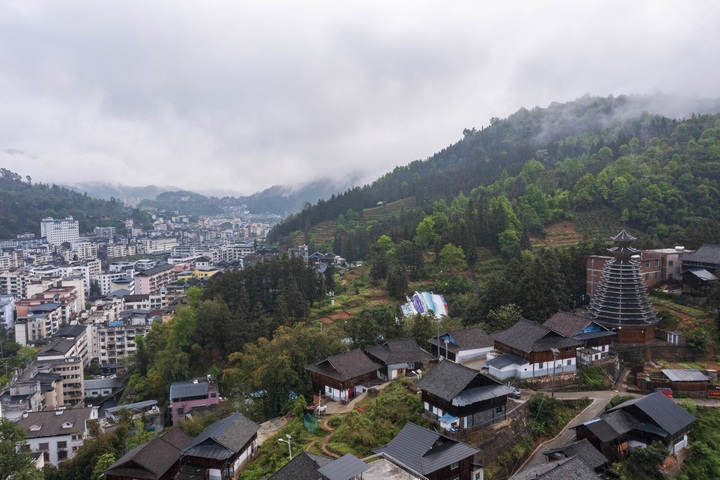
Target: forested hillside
{"type": "Point", "coordinates": [654, 174]}
{"type": "Point", "coordinates": [23, 204]}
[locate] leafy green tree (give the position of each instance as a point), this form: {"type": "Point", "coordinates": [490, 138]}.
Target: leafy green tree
{"type": "Point", "coordinates": [452, 258]}
{"type": "Point", "coordinates": [277, 367]}
{"type": "Point", "coordinates": [14, 461]}
{"type": "Point", "coordinates": [697, 341]}
{"type": "Point", "coordinates": [105, 461]}
{"type": "Point", "coordinates": [502, 317]}
{"type": "Point", "coordinates": [425, 235]}
{"type": "Point", "coordinates": [397, 282]}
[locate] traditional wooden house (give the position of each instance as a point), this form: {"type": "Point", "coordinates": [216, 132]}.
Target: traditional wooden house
{"type": "Point", "coordinates": [595, 338]}
{"type": "Point", "coordinates": [433, 455]}
{"type": "Point", "coordinates": [458, 397]}
{"type": "Point", "coordinates": [638, 423]}
{"type": "Point", "coordinates": [220, 450]}
{"type": "Point", "coordinates": [345, 375]}
{"type": "Point", "coordinates": [460, 345]}
{"type": "Point", "coordinates": [158, 459]}
{"type": "Point", "coordinates": [697, 282]}
{"type": "Point", "coordinates": [531, 350]}
{"type": "Point", "coordinates": [398, 356]}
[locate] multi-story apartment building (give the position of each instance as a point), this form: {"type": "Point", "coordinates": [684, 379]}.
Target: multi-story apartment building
{"type": "Point", "coordinates": [119, 251]}
{"type": "Point", "coordinates": [9, 260]}
{"type": "Point", "coordinates": [235, 252]}
{"type": "Point", "coordinates": [81, 251]}
{"type": "Point", "coordinates": [116, 339]}
{"type": "Point", "coordinates": [60, 231]}
{"type": "Point", "coordinates": [7, 311]}
{"type": "Point", "coordinates": [61, 357]}
{"type": "Point", "coordinates": [57, 434]}
{"type": "Point", "coordinates": [110, 282]}
{"type": "Point", "coordinates": [41, 321]}
{"type": "Point", "coordinates": [15, 284]}
{"type": "Point", "coordinates": [105, 232]}
{"type": "Point", "coordinates": [80, 335]}
{"type": "Point", "coordinates": [146, 302]}
{"type": "Point", "coordinates": [152, 280]}
{"type": "Point", "coordinates": [67, 297]}
{"type": "Point", "coordinates": [150, 246]}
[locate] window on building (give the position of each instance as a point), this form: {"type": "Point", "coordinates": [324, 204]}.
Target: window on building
{"type": "Point", "coordinates": [454, 465]}
{"type": "Point", "coordinates": [569, 362]}
{"type": "Point", "coordinates": [46, 456]}
{"type": "Point", "coordinates": [647, 276]}
{"type": "Point", "coordinates": [62, 455]}
{"type": "Point", "coordinates": [541, 365]}
{"type": "Point", "coordinates": [647, 264]}
{"type": "Point", "coordinates": [657, 263]}
{"type": "Point", "coordinates": [657, 274]}
{"type": "Point", "coordinates": [62, 444]}
{"type": "Point", "coordinates": [499, 409]}
{"type": "Point", "coordinates": [44, 446]}
{"type": "Point", "coordinates": [670, 263]}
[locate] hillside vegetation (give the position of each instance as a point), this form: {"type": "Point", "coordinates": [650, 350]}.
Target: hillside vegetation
{"type": "Point", "coordinates": [23, 204]}
{"type": "Point", "coordinates": [590, 162]}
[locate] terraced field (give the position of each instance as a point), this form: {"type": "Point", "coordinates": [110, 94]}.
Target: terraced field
{"type": "Point", "coordinates": [559, 234]}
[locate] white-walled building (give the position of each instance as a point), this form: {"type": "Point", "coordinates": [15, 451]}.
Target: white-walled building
{"type": "Point", "coordinates": [60, 231]}
{"type": "Point", "coordinates": [57, 434]}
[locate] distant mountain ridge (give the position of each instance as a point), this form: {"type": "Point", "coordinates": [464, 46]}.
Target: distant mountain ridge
{"type": "Point", "coordinates": [279, 200]}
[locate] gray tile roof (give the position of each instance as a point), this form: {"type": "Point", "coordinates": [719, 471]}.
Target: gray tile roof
{"type": "Point", "coordinates": [472, 338]}
{"type": "Point", "coordinates": [51, 422]}
{"type": "Point", "coordinates": [100, 383]}
{"type": "Point", "coordinates": [568, 324]}
{"type": "Point", "coordinates": [667, 414]}
{"type": "Point", "coordinates": [346, 365]}
{"type": "Point", "coordinates": [573, 468]}
{"type": "Point", "coordinates": [480, 394]}
{"type": "Point", "coordinates": [583, 449]}
{"type": "Point", "coordinates": [425, 451]}
{"type": "Point", "coordinates": [506, 359]}
{"type": "Point", "coordinates": [708, 253]}
{"type": "Point", "coordinates": [302, 467]}
{"type": "Point", "coordinates": [71, 331]}
{"type": "Point", "coordinates": [702, 274]}
{"type": "Point", "coordinates": [224, 438]}
{"type": "Point", "coordinates": [528, 336]}
{"type": "Point", "coordinates": [188, 389]}
{"type": "Point", "coordinates": [401, 350]}
{"type": "Point", "coordinates": [685, 375]}
{"type": "Point", "coordinates": [57, 347]}
{"type": "Point", "coordinates": [153, 459]}
{"type": "Point", "coordinates": [344, 468]}
{"type": "Point", "coordinates": [447, 379]}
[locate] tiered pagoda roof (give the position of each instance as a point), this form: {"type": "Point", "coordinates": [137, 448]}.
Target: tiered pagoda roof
{"type": "Point", "coordinates": [622, 299]}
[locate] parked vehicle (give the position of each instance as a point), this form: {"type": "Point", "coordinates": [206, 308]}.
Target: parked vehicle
{"type": "Point", "coordinates": [515, 393]}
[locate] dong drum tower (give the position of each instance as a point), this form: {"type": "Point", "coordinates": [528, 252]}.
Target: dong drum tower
{"type": "Point", "coordinates": [622, 303]}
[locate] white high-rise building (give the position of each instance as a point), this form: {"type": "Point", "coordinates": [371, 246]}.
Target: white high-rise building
{"type": "Point", "coordinates": [59, 231]}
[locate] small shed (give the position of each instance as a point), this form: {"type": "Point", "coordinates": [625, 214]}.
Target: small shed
{"type": "Point", "coordinates": [686, 380]}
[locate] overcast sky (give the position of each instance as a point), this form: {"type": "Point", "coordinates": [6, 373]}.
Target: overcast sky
{"type": "Point", "coordinates": [236, 96]}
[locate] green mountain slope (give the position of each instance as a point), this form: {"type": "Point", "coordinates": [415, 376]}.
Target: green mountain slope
{"type": "Point", "coordinates": [607, 155]}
